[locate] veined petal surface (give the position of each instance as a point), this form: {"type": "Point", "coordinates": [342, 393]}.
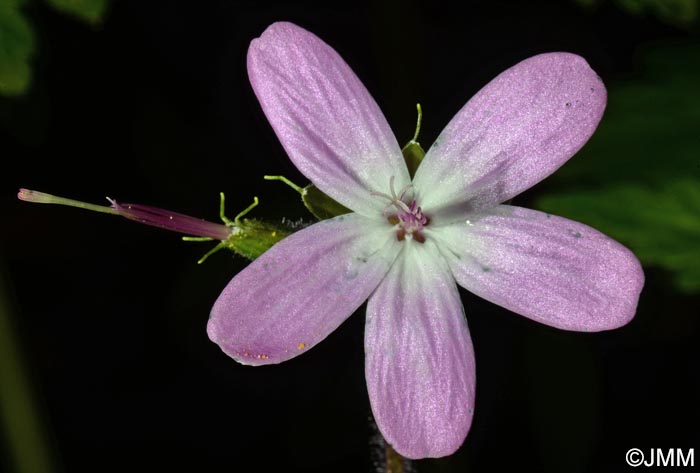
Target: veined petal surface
{"type": "Point", "coordinates": [330, 126]}
{"type": "Point", "coordinates": [514, 132]}
{"type": "Point", "coordinates": [301, 289]}
{"type": "Point", "coordinates": [419, 358]}
{"type": "Point", "coordinates": [550, 269]}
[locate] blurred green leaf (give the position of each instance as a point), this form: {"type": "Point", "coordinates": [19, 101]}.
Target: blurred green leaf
{"type": "Point", "coordinates": [16, 49]}
{"type": "Point", "coordinates": [23, 422]}
{"type": "Point", "coordinates": [675, 12]}
{"type": "Point", "coordinates": [681, 13]}
{"type": "Point", "coordinates": [91, 11]}
{"type": "Point", "coordinates": [662, 226]}
{"type": "Point", "coordinates": [17, 41]}
{"type": "Point", "coordinates": [638, 179]}
{"type": "Point", "coordinates": [650, 128]}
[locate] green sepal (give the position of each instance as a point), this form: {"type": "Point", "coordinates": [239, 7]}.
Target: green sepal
{"type": "Point", "coordinates": [323, 207]}
{"type": "Point", "coordinates": [251, 238]}
{"type": "Point", "coordinates": [320, 205]}
{"type": "Point", "coordinates": [413, 154]}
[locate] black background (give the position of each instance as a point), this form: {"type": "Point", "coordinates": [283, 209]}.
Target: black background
{"type": "Point", "coordinates": [155, 107]}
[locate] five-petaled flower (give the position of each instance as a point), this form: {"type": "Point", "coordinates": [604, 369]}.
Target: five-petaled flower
{"type": "Point", "coordinates": [408, 243]}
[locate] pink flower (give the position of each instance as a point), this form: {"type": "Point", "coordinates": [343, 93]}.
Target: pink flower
{"type": "Point", "coordinates": [408, 244]}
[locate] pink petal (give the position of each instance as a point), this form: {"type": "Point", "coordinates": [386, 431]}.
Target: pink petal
{"type": "Point", "coordinates": [330, 126]}
{"type": "Point", "coordinates": [419, 357]}
{"type": "Point", "coordinates": [513, 133]}
{"type": "Point", "coordinates": [301, 289]}
{"type": "Point", "coordinates": [553, 270]}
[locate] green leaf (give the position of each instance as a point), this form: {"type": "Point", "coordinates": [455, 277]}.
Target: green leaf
{"type": "Point", "coordinates": [90, 11]}
{"type": "Point", "coordinates": [638, 179]}
{"type": "Point", "coordinates": [16, 49]}
{"type": "Point", "coordinates": [320, 205]}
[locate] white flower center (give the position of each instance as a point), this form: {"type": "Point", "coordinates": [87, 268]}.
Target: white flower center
{"type": "Point", "coordinates": [407, 218]}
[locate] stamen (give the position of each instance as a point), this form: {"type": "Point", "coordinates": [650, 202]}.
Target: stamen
{"type": "Point", "coordinates": [404, 190]}
{"type": "Point", "coordinates": [394, 200]}
{"type": "Point", "coordinates": [381, 194]}
{"type": "Point", "coordinates": [386, 208]}
{"type": "Point", "coordinates": [402, 205]}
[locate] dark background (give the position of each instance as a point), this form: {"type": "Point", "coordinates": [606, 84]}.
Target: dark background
{"type": "Point", "coordinates": [154, 107]}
